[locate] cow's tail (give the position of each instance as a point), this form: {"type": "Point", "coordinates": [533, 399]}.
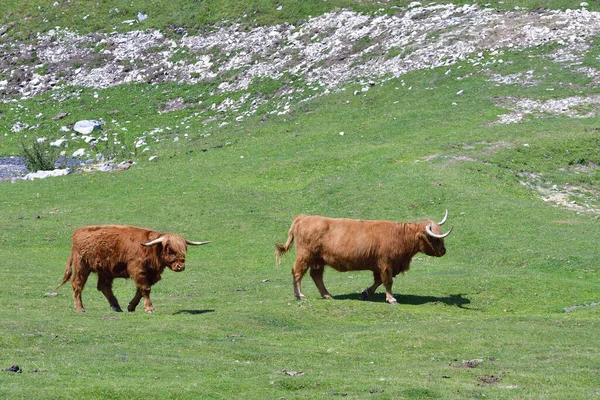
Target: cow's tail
{"type": "Point", "coordinates": [283, 248]}
{"type": "Point", "coordinates": [68, 272]}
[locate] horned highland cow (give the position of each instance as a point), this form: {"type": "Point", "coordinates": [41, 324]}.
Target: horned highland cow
{"type": "Point", "coordinates": [119, 251]}
{"type": "Point", "coordinates": [383, 247]}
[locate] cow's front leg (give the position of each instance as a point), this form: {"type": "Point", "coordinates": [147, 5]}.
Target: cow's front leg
{"type": "Point", "coordinates": [370, 290]}
{"type": "Point", "coordinates": [148, 307]}
{"type": "Point", "coordinates": [387, 279]}
{"type": "Point", "coordinates": [145, 293]}
{"type": "Point", "coordinates": [316, 273]}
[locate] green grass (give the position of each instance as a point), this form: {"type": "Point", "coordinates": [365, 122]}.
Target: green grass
{"type": "Point", "coordinates": [228, 326]}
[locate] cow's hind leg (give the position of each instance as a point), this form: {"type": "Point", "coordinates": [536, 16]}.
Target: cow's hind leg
{"type": "Point", "coordinates": [105, 286]}
{"type": "Point", "coordinates": [316, 273]}
{"type": "Point", "coordinates": [80, 276]}
{"type": "Point", "coordinates": [300, 267]}
{"type": "Point", "coordinates": [370, 290]}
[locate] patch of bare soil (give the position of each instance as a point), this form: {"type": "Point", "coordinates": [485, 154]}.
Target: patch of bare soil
{"type": "Point", "coordinates": [488, 379]}
{"type": "Point", "coordinates": [572, 197]}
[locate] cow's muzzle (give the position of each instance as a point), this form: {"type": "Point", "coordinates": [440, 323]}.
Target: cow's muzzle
{"type": "Point", "coordinates": [178, 267]}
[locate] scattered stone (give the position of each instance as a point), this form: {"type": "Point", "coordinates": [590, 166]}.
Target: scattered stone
{"type": "Point", "coordinates": [86, 127]}
{"type": "Point", "coordinates": [46, 174]}
{"type": "Point", "coordinates": [60, 116]}
{"type": "Point", "coordinates": [573, 308]}
{"type": "Point", "coordinates": [291, 373]}
{"type": "Point", "coordinates": [79, 153]}
{"type": "Point", "coordinates": [323, 50]}
{"type": "Point", "coordinates": [15, 369]}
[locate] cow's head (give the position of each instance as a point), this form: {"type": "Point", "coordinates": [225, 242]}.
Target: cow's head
{"type": "Point", "coordinates": [432, 242]}
{"type": "Point", "coordinates": [173, 250]}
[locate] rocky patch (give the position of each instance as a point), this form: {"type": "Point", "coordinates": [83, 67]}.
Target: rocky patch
{"type": "Point", "coordinates": [326, 51]}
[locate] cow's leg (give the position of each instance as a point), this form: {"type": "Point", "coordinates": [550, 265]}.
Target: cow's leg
{"type": "Point", "coordinates": [316, 273]}
{"type": "Point", "coordinates": [387, 279]}
{"type": "Point", "coordinates": [148, 307]}
{"type": "Point", "coordinates": [80, 276]}
{"type": "Point", "coordinates": [143, 290]}
{"type": "Point", "coordinates": [298, 271]}
{"type": "Point", "coordinates": [105, 286]}
{"type": "Point", "coordinates": [370, 290]}
{"type": "Point", "coordinates": [135, 301]}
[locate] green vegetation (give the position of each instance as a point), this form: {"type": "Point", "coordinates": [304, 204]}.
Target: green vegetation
{"type": "Point", "coordinates": [486, 319]}
{"type": "Point", "coordinates": [39, 156]}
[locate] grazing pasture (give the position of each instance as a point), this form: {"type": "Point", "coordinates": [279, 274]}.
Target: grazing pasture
{"type": "Point", "coordinates": [508, 312]}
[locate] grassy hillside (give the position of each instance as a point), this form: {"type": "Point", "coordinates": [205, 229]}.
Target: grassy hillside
{"type": "Point", "coordinates": [22, 19]}
{"type": "Point", "coordinates": [487, 319]}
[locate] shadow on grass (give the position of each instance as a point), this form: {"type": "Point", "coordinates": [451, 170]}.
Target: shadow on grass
{"type": "Point", "coordinates": [193, 312]}
{"type": "Point", "coordinates": [457, 300]}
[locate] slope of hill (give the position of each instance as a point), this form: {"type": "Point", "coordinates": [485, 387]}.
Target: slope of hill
{"type": "Point", "coordinates": [235, 128]}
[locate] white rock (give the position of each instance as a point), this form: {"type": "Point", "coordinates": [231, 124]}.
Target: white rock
{"type": "Point", "coordinates": [46, 174]}
{"type": "Point", "coordinates": [58, 142]}
{"type": "Point", "coordinates": [86, 126]}
{"type": "Point", "coordinates": [79, 153]}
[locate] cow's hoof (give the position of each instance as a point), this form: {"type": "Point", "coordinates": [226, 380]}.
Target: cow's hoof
{"type": "Point", "coordinates": [150, 311]}
{"type": "Point", "coordinates": [328, 297]}
{"type": "Point", "coordinates": [131, 309]}
{"type": "Point", "coordinates": [117, 309]}
{"type": "Point", "coordinates": [363, 295]}
{"type": "Point", "coordinates": [393, 302]}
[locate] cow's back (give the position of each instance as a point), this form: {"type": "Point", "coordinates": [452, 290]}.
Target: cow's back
{"type": "Point", "coordinates": [345, 244]}
{"type": "Point", "coordinates": [103, 246]}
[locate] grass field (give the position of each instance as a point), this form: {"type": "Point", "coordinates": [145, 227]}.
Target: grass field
{"type": "Point", "coordinates": [487, 319]}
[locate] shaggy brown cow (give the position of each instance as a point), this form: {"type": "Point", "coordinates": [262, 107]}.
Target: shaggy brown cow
{"type": "Point", "coordinates": [117, 251]}
{"type": "Point", "coordinates": [384, 247]}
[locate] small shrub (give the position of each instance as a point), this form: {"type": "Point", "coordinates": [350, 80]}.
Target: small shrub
{"type": "Point", "coordinates": [39, 156]}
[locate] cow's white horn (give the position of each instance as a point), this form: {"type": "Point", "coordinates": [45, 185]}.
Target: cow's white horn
{"type": "Point", "coordinates": [195, 243]}
{"type": "Point", "coordinates": [153, 242]}
{"type": "Point", "coordinates": [435, 235]}
{"type": "Point", "coordinates": [443, 219]}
